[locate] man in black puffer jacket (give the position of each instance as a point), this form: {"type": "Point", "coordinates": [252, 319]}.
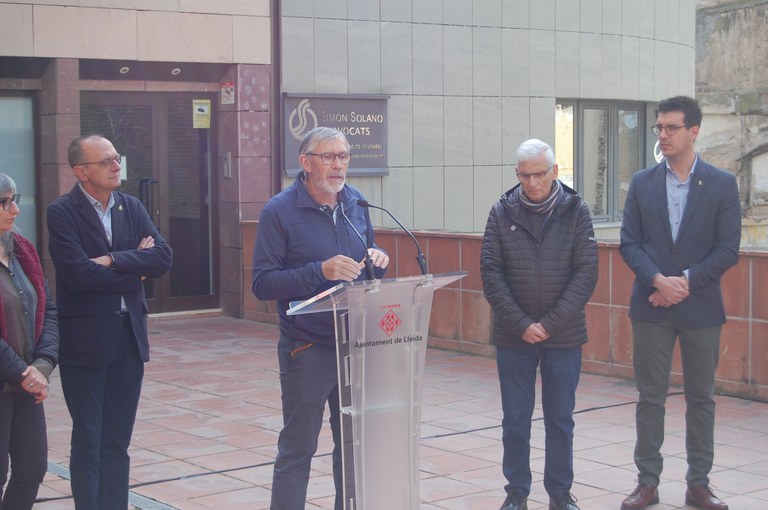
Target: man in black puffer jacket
{"type": "Point", "coordinates": [539, 268]}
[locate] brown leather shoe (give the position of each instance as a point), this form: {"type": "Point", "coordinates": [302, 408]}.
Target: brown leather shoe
{"type": "Point", "coordinates": [643, 495]}
{"type": "Point", "coordinates": [703, 497]}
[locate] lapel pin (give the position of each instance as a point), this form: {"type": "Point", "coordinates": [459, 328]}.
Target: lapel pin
{"type": "Point", "coordinates": [513, 228]}
{"type": "Point", "coordinates": [120, 207]}
{"type": "Point", "coordinates": [700, 183]}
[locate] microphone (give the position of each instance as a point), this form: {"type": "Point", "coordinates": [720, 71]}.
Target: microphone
{"type": "Point", "coordinates": [367, 261]}
{"type": "Point", "coordinates": [420, 254]}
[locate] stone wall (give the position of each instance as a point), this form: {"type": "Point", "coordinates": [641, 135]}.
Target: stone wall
{"type": "Point", "coordinates": [732, 86]}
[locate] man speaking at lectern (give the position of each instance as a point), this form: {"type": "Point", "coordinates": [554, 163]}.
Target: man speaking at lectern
{"type": "Point", "coordinates": [311, 236]}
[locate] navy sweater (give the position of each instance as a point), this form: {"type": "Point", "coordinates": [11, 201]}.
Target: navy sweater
{"type": "Point", "coordinates": [294, 237]}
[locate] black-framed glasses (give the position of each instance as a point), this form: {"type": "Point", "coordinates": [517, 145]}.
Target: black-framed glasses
{"type": "Point", "coordinates": [329, 157]}
{"type": "Point", "coordinates": [536, 176]}
{"type": "Point", "coordinates": [5, 203]}
{"type": "Point", "coordinates": [104, 163]}
{"type": "Point", "coordinates": [671, 129]}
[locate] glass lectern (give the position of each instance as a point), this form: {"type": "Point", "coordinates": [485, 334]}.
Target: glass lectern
{"type": "Point", "coordinates": [381, 344]}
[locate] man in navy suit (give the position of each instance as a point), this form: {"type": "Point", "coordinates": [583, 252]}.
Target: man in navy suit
{"type": "Point", "coordinates": [103, 244]}
{"type": "Point", "coordinates": [680, 232]}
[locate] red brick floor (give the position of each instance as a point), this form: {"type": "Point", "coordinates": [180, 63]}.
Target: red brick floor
{"type": "Point", "coordinates": [210, 414]}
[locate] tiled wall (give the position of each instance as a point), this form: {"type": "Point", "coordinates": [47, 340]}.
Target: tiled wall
{"type": "Point", "coordinates": [470, 80]}
{"type": "Point", "coordinates": [244, 133]}
{"type": "Point", "coordinates": [461, 317]}
{"type": "Point", "coordinates": [154, 30]}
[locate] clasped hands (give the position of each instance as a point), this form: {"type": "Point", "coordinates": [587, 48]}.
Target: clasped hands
{"type": "Point", "coordinates": [34, 383]}
{"type": "Point", "coordinates": [341, 267]}
{"type": "Point", "coordinates": [670, 290]}
{"type": "Point", "coordinates": [535, 333]}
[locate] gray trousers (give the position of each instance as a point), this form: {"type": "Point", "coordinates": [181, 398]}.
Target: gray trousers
{"type": "Point", "coordinates": [652, 358]}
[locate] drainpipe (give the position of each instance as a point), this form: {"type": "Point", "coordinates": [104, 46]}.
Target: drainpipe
{"type": "Point", "coordinates": [277, 106]}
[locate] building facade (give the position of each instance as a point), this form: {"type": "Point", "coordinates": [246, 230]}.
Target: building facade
{"type": "Point", "coordinates": [192, 93]}
{"type": "Point", "coordinates": [468, 81]}
{"type": "Point", "coordinates": [182, 88]}
{"type": "Point", "coordinates": [198, 97]}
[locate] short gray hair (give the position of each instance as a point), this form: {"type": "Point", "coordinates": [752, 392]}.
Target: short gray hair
{"type": "Point", "coordinates": [6, 184]}
{"type": "Point", "coordinates": [320, 134]}
{"type": "Point", "coordinates": [532, 149]}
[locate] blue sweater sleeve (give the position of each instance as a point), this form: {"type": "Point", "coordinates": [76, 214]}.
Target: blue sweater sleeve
{"type": "Point", "coordinates": [272, 278]}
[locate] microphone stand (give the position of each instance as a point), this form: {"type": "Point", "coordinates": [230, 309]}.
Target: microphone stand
{"type": "Point", "coordinates": [367, 261]}
{"type": "Point", "coordinates": [420, 254]}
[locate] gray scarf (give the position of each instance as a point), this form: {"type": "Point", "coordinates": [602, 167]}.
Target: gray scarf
{"type": "Point", "coordinates": [547, 205]}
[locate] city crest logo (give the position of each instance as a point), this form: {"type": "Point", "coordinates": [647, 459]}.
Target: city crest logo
{"type": "Point", "coordinates": [389, 323]}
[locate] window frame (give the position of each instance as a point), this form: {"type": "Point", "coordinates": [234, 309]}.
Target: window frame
{"type": "Point", "coordinates": [30, 222]}
{"type": "Point", "coordinates": [613, 107]}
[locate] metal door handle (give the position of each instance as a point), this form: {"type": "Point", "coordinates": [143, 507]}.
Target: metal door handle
{"type": "Point", "coordinates": [146, 197]}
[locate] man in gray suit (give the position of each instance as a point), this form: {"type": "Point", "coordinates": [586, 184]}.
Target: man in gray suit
{"type": "Point", "coordinates": [680, 232]}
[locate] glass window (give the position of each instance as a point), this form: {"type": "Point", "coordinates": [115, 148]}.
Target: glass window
{"type": "Point", "coordinates": [17, 157]}
{"type": "Point", "coordinates": [628, 161]}
{"type": "Point", "coordinates": [595, 161]}
{"type": "Point", "coordinates": [564, 144]}
{"type": "Point", "coordinates": [599, 146]}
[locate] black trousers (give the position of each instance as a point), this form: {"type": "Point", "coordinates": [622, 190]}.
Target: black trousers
{"type": "Point", "coordinates": [23, 442]}
{"type": "Point", "coordinates": [102, 402]}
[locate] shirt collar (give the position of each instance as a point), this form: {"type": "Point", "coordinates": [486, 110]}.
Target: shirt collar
{"type": "Point", "coordinates": [94, 202]}
{"type": "Point", "coordinates": [690, 174]}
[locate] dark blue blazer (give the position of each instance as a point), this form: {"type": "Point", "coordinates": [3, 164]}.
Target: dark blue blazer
{"type": "Point", "coordinates": [707, 243]}
{"type": "Point", "coordinates": [88, 294]}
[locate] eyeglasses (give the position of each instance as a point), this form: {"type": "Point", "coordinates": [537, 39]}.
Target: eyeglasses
{"type": "Point", "coordinates": [104, 163]}
{"type": "Point", "coordinates": [671, 129]}
{"type": "Point", "coordinates": [329, 157]}
{"type": "Point", "coordinates": [536, 176]}
{"type": "Point", "coordinates": [6, 202]}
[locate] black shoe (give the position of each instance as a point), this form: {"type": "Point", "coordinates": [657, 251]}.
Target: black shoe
{"type": "Point", "coordinates": [562, 501]}
{"type": "Point", "coordinates": [514, 501]}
